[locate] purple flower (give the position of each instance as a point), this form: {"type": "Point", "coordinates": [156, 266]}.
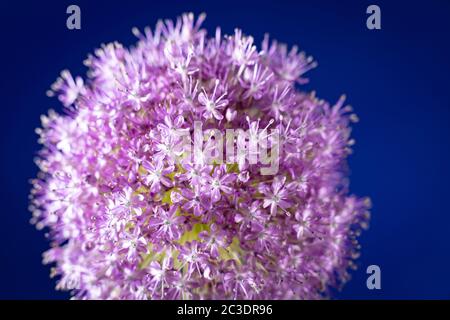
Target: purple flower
{"type": "Point", "coordinates": [276, 197]}
{"type": "Point", "coordinates": [305, 223]}
{"type": "Point", "coordinates": [168, 224]}
{"type": "Point", "coordinates": [212, 105]}
{"type": "Point", "coordinates": [255, 80]}
{"type": "Point", "coordinates": [196, 201]}
{"type": "Point", "coordinates": [132, 215]}
{"type": "Point", "coordinates": [195, 174]}
{"type": "Point", "coordinates": [252, 216]}
{"type": "Point", "coordinates": [196, 260]}
{"type": "Point", "coordinates": [72, 88]}
{"type": "Point", "coordinates": [214, 240]}
{"type": "Point", "coordinates": [133, 244]}
{"type": "Point", "coordinates": [219, 182]}
{"type": "Point", "coordinates": [156, 175]}
{"type": "Point", "coordinates": [241, 284]}
{"type": "Point", "coordinates": [161, 277]}
{"type": "Point", "coordinates": [172, 128]}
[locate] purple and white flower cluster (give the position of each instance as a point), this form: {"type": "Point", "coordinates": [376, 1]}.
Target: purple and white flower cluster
{"type": "Point", "coordinates": [130, 217]}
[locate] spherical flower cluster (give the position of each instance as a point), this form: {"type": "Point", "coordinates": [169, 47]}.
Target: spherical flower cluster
{"type": "Point", "coordinates": [131, 217]}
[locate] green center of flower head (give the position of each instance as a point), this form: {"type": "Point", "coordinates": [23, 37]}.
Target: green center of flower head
{"type": "Point", "coordinates": [232, 251]}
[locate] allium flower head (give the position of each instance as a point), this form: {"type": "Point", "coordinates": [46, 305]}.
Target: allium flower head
{"type": "Point", "coordinates": [131, 216]}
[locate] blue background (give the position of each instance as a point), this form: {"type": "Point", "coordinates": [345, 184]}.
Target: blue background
{"type": "Point", "coordinates": [396, 78]}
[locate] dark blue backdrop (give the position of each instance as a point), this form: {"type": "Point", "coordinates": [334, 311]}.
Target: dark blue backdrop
{"type": "Point", "coordinates": [396, 78]}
